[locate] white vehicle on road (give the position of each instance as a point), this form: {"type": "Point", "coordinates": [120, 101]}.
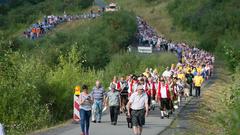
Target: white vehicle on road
{"type": "Point", "coordinates": [112, 7]}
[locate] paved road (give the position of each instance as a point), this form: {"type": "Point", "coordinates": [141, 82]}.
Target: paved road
{"type": "Point", "coordinates": [154, 125]}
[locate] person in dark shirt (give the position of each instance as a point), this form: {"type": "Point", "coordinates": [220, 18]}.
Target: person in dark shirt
{"type": "Point", "coordinates": [189, 76]}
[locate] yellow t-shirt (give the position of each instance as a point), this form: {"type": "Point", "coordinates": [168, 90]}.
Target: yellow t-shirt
{"type": "Point", "coordinates": [199, 69]}
{"type": "Point", "coordinates": [198, 80]}
{"type": "Point", "coordinates": [180, 67]}
{"type": "Point", "coordinates": [187, 69]}
{"type": "Point", "coordinates": [181, 76]}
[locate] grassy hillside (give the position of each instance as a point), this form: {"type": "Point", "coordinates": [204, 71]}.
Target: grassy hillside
{"type": "Point", "coordinates": [18, 14]}
{"type": "Point", "coordinates": [98, 39]}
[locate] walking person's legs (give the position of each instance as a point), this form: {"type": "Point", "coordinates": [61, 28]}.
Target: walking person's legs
{"type": "Point", "coordinates": [162, 109]}
{"type": "Point", "coordinates": [190, 89]}
{"type": "Point", "coordinates": [196, 91]}
{"type": "Point", "coordinates": [99, 111]}
{"type": "Point", "coordinates": [199, 91]}
{"type": "Point", "coordinates": [94, 111]}
{"type": "Point", "coordinates": [138, 119]}
{"type": "Point", "coordinates": [88, 115]}
{"type": "Point", "coordinates": [116, 112]}
{"type": "Point", "coordinates": [140, 130]}
{"type": "Point", "coordinates": [111, 108]}
{"type": "Point", "coordinates": [82, 121]}
{"type": "Point", "coordinates": [135, 130]}
{"type": "Point", "coordinates": [168, 109]}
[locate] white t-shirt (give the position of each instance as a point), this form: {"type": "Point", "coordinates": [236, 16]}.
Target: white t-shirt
{"type": "Point", "coordinates": [163, 92]}
{"type": "Point", "coordinates": [167, 73]}
{"type": "Point", "coordinates": [138, 101]}
{"type": "Point", "coordinates": [134, 87]}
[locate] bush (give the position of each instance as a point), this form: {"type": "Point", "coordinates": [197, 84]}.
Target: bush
{"type": "Point", "coordinates": [230, 119]}
{"type": "Point", "coordinates": [85, 3]}
{"type": "Point", "coordinates": [62, 80]}
{"type": "Point", "coordinates": [20, 107]}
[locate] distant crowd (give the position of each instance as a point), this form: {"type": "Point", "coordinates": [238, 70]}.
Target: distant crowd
{"type": "Point", "coordinates": [49, 22]}
{"type": "Point", "coordinates": [147, 36]}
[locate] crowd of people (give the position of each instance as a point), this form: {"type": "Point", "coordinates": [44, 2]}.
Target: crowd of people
{"type": "Point", "coordinates": [147, 36]}
{"type": "Point", "coordinates": [136, 95]}
{"type": "Point", "coordinates": [50, 22]}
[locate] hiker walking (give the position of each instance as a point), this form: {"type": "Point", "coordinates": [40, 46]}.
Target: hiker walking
{"type": "Point", "coordinates": [98, 95]}
{"type": "Point", "coordinates": [189, 76]}
{"type": "Point", "coordinates": [198, 80]}
{"type": "Point", "coordinates": [113, 101]}
{"type": "Point", "coordinates": [138, 102]}
{"type": "Point", "coordinates": [85, 101]}
{"type": "Point", "coordinates": [164, 97]}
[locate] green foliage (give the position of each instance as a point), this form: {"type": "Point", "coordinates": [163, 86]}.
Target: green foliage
{"type": "Point", "coordinates": [99, 39]}
{"type": "Point", "coordinates": [215, 20]}
{"type": "Point", "coordinates": [62, 80]}
{"type": "Point", "coordinates": [20, 107]}
{"type": "Point", "coordinates": [17, 14]}
{"type": "Point", "coordinates": [230, 119]}
{"type": "Point", "coordinates": [38, 77]}
{"type": "Point", "coordinates": [85, 3]}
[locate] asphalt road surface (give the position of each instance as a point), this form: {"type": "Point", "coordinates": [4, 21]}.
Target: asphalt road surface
{"type": "Point", "coordinates": [154, 125]}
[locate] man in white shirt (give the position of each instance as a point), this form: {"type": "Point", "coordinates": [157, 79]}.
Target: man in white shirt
{"type": "Point", "coordinates": [138, 102]}
{"type": "Point", "coordinates": [163, 95]}
{"type": "Point", "coordinates": [167, 73]}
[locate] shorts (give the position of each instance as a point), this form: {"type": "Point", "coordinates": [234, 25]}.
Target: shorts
{"type": "Point", "coordinates": [138, 117]}
{"type": "Point", "coordinates": [164, 104]}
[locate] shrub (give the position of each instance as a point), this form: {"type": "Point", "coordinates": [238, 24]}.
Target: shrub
{"type": "Point", "coordinates": [20, 107]}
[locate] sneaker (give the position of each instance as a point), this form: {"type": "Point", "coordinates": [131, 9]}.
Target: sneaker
{"type": "Point", "coordinates": [99, 121]}
{"type": "Point", "coordinates": [94, 121]}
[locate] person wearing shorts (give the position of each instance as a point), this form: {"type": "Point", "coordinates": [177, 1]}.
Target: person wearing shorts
{"type": "Point", "coordinates": [138, 102]}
